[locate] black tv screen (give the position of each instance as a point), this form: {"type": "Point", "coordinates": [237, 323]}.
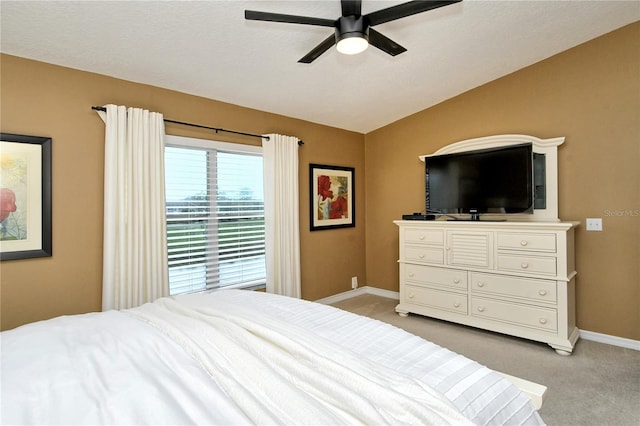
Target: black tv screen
{"type": "Point", "coordinates": [493, 180]}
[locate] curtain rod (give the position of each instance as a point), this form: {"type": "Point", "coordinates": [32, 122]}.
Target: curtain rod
{"type": "Point", "coordinates": [216, 129]}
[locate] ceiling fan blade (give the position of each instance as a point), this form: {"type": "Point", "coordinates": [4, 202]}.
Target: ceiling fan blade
{"type": "Point", "coordinates": [351, 7]}
{"type": "Point", "coordinates": [384, 43]}
{"type": "Point", "coordinates": [290, 19]}
{"type": "Point", "coordinates": [319, 50]}
{"type": "Point", "coordinates": [404, 9]}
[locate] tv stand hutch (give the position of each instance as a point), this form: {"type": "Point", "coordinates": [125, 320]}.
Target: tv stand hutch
{"type": "Point", "coordinates": [513, 276]}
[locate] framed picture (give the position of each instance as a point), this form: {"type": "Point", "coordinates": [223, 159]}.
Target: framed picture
{"type": "Point", "coordinates": [332, 198]}
{"type": "Point", "coordinates": [25, 196]}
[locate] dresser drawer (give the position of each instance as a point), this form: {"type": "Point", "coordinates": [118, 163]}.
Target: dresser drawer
{"type": "Point", "coordinates": [451, 278]}
{"type": "Point", "coordinates": [526, 241]}
{"type": "Point", "coordinates": [527, 264]}
{"type": "Point", "coordinates": [424, 236]}
{"type": "Point", "coordinates": [538, 290]}
{"type": "Point", "coordinates": [436, 299]}
{"type": "Point", "coordinates": [424, 254]}
{"type": "Point", "coordinates": [529, 316]}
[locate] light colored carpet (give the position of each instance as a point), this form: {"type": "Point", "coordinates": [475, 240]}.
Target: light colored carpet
{"type": "Point", "coordinates": [597, 385]}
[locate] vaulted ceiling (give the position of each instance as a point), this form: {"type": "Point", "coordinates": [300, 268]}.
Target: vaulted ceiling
{"type": "Point", "coordinates": [207, 48]}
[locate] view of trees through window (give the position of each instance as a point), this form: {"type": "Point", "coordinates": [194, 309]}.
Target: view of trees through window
{"type": "Point", "coordinates": [215, 219]}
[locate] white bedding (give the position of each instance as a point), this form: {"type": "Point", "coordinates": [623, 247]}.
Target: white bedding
{"type": "Point", "coordinates": [182, 360]}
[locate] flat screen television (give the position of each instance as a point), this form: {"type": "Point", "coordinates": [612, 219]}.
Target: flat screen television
{"type": "Point", "coordinates": [493, 180]}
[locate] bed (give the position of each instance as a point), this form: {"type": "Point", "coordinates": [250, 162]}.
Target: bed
{"type": "Point", "coordinates": [243, 357]}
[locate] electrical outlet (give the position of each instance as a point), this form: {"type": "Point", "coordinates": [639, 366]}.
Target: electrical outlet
{"type": "Point", "coordinates": [354, 282]}
{"type": "Point", "coordinates": [594, 224]}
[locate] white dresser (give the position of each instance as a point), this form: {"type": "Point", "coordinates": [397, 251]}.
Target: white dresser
{"type": "Point", "coordinates": [516, 278]}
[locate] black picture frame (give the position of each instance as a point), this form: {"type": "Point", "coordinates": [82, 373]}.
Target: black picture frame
{"type": "Point", "coordinates": [25, 197]}
{"type": "Point", "coordinates": [332, 202]}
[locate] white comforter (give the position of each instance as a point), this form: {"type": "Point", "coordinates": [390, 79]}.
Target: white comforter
{"type": "Point", "coordinates": [272, 360]}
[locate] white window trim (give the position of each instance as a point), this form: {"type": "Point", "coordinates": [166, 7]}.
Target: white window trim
{"type": "Point", "coordinates": [171, 140]}
{"type": "Point", "coordinates": [188, 142]}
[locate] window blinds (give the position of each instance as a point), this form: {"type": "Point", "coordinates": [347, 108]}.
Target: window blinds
{"type": "Point", "coordinates": [215, 219]}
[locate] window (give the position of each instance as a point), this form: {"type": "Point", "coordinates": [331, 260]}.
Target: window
{"type": "Point", "coordinates": [215, 215]}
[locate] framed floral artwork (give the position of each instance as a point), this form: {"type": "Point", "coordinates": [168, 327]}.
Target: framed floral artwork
{"type": "Point", "coordinates": [332, 198]}
{"type": "Point", "coordinates": [25, 196]}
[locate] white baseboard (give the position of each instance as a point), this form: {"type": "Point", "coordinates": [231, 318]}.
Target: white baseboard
{"type": "Point", "coordinates": [586, 335]}
{"type": "Point", "coordinates": [382, 292]}
{"type": "Point", "coordinates": [622, 342]}
{"type": "Point", "coordinates": [359, 292]}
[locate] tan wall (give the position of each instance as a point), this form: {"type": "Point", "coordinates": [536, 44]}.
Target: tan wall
{"type": "Point", "coordinates": [590, 95]}
{"type": "Point", "coordinates": [46, 100]}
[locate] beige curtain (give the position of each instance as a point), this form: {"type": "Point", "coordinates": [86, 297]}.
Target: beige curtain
{"type": "Point", "coordinates": [281, 214]}
{"type": "Point", "coordinates": [135, 240]}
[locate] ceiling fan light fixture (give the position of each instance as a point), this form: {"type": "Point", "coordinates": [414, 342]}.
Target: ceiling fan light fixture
{"type": "Point", "coordinates": [352, 44]}
{"type": "Point", "coordinates": [352, 35]}
{"type": "Point", "coordinates": [353, 32]}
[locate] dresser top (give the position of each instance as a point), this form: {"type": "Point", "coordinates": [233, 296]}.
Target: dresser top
{"type": "Point", "coordinates": [488, 224]}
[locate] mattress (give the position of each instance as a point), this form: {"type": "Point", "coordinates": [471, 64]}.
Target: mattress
{"type": "Point", "coordinates": [242, 357]}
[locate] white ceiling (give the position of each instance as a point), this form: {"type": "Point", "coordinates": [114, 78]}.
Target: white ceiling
{"type": "Point", "coordinates": [207, 48]}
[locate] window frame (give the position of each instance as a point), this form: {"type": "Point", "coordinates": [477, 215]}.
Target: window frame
{"type": "Point", "coordinates": [230, 147]}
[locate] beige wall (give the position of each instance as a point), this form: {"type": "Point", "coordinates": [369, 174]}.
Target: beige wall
{"type": "Point", "coordinates": [590, 95]}
{"type": "Point", "coordinates": [46, 100]}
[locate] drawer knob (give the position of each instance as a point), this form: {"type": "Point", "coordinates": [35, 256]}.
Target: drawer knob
{"type": "Point", "coordinates": [410, 295]}
{"type": "Point", "coordinates": [543, 320]}
{"type": "Point", "coordinates": [411, 274]}
{"type": "Point", "coordinates": [523, 243]}
{"type": "Point", "coordinates": [542, 292]}
{"type": "Point", "coordinates": [480, 284]}
{"type": "Point", "coordinates": [456, 305]}
{"type": "Point", "coordinates": [524, 265]}
{"type": "Point", "coordinates": [480, 308]}
{"type": "Point", "coordinates": [421, 237]}
{"type": "Point", "coordinates": [421, 256]}
{"type": "Point", "coordinates": [456, 281]}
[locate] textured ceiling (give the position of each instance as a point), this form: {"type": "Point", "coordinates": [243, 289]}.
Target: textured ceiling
{"type": "Point", "coordinates": [207, 48]}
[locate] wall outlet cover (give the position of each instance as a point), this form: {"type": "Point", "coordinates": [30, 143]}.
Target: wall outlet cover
{"type": "Point", "coordinates": [594, 224]}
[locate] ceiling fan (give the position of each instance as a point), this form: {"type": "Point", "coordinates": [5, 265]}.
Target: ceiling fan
{"type": "Point", "coordinates": [353, 32]}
